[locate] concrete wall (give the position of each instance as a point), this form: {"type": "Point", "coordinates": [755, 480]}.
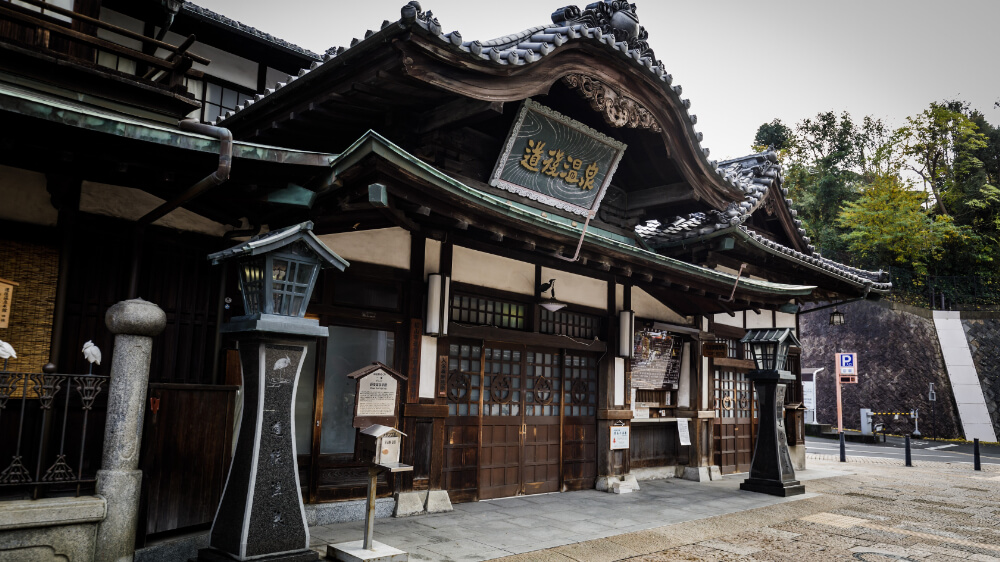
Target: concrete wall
{"type": "Point", "coordinates": [50, 529]}
{"type": "Point", "coordinates": [983, 335]}
{"type": "Point", "coordinates": [898, 355]}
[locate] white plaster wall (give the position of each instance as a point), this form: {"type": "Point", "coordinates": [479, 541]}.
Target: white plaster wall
{"type": "Point", "coordinates": [23, 197]}
{"type": "Point", "coordinates": [762, 320]}
{"type": "Point", "coordinates": [224, 65]}
{"type": "Point", "coordinates": [784, 320]}
{"type": "Point", "coordinates": [432, 257]}
{"type": "Point", "coordinates": [646, 306]}
{"type": "Point", "coordinates": [273, 77]}
{"type": "Point", "coordinates": [578, 289]}
{"type": "Point", "coordinates": [727, 320]}
{"type": "Point", "coordinates": [384, 246]}
{"type": "Point", "coordinates": [131, 204]}
{"type": "Point", "coordinates": [121, 20]}
{"type": "Point", "coordinates": [619, 297]}
{"type": "Point", "coordinates": [428, 366]}
{"type": "Point", "coordinates": [495, 272]}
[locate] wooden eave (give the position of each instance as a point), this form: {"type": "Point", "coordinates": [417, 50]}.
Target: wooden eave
{"type": "Point", "coordinates": [425, 201]}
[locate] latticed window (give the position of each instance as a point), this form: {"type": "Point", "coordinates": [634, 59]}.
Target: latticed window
{"type": "Point", "coordinates": [566, 323]}
{"type": "Point", "coordinates": [488, 312]}
{"type": "Point", "coordinates": [502, 382]}
{"type": "Point", "coordinates": [463, 379]}
{"type": "Point", "coordinates": [580, 387]}
{"type": "Point", "coordinates": [543, 381]}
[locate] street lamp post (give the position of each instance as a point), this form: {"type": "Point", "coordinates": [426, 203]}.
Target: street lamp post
{"type": "Point", "coordinates": [771, 470]}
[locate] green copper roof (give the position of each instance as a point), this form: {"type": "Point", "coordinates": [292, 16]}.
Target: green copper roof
{"type": "Point", "coordinates": [373, 143]}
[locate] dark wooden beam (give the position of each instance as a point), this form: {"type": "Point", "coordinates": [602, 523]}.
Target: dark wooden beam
{"type": "Point", "coordinates": [669, 194]}
{"type": "Point", "coordinates": [458, 111]}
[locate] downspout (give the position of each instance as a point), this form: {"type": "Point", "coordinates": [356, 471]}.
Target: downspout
{"type": "Point", "coordinates": [218, 177]}
{"type": "Point", "coordinates": [579, 244]}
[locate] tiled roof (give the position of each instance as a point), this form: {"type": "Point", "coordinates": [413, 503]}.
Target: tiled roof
{"type": "Point", "coordinates": [246, 29]}
{"type": "Point", "coordinates": [756, 174]}
{"type": "Point", "coordinates": [595, 25]}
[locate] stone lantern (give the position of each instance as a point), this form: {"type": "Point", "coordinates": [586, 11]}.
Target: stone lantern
{"type": "Point", "coordinates": [261, 515]}
{"type": "Point", "coordinates": [771, 470]}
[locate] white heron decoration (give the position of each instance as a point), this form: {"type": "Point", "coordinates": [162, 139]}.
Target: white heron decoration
{"type": "Point", "coordinates": [92, 353]}
{"type": "Point", "coordinates": [282, 363]}
{"type": "Point", "coordinates": [6, 352]}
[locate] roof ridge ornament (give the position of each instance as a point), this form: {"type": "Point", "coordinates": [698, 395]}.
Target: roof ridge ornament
{"type": "Point", "coordinates": [616, 17]}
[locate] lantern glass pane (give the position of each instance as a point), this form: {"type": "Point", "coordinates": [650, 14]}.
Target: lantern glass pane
{"type": "Point", "coordinates": [252, 285]}
{"type": "Point", "coordinates": [291, 284]}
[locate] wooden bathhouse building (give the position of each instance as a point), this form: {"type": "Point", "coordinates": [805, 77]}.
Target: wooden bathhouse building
{"type": "Point", "coordinates": [537, 240]}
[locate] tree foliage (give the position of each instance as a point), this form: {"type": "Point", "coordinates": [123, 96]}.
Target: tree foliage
{"type": "Point", "coordinates": [923, 197]}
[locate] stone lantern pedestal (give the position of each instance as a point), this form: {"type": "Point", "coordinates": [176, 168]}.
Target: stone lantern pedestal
{"type": "Point", "coordinates": [771, 470]}
{"type": "Point", "coordinates": [261, 516]}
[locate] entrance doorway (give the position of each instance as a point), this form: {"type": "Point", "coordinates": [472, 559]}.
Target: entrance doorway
{"type": "Point", "coordinates": [735, 410]}
{"type": "Point", "coordinates": [521, 420]}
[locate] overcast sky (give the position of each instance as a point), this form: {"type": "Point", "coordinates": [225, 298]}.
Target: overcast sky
{"type": "Point", "coordinates": [742, 63]}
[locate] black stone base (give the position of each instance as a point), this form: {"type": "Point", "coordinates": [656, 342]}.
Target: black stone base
{"type": "Point", "coordinates": [773, 487]}
{"type": "Point", "coordinates": [215, 555]}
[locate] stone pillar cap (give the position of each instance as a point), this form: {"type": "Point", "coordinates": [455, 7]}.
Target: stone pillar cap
{"type": "Point", "coordinates": [136, 317]}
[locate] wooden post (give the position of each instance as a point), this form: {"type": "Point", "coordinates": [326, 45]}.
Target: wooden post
{"type": "Point", "coordinates": [370, 516]}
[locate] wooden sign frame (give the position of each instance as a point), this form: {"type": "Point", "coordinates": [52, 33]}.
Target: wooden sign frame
{"type": "Point", "coordinates": [379, 370]}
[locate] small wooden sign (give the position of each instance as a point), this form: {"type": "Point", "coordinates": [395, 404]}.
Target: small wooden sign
{"type": "Point", "coordinates": [619, 437]}
{"type": "Point", "coordinates": [716, 350]}
{"type": "Point", "coordinates": [6, 300]}
{"type": "Point", "coordinates": [442, 375]}
{"type": "Point", "coordinates": [377, 398]}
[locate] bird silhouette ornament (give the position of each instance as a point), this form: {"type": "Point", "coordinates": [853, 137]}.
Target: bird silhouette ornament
{"type": "Point", "coordinates": [282, 363]}
{"type": "Point", "coordinates": [6, 353]}
{"type": "Point", "coordinates": [91, 353]}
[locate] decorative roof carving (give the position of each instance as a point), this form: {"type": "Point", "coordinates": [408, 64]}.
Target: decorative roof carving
{"type": "Point", "coordinates": [615, 17]}
{"type": "Point", "coordinates": [617, 109]}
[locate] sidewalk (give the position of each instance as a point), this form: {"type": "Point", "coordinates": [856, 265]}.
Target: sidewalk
{"type": "Point", "coordinates": [528, 524]}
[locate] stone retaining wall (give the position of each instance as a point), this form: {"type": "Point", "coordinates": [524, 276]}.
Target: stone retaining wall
{"type": "Point", "coordinates": [898, 355]}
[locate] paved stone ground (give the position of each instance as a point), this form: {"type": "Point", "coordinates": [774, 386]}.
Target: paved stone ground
{"type": "Point", "coordinates": [879, 511]}
{"type": "Point", "coordinates": [868, 509]}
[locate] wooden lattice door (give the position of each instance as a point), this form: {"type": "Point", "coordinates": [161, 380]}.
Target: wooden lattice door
{"type": "Point", "coordinates": [735, 413]}
{"type": "Point", "coordinates": [461, 444]}
{"type": "Point", "coordinates": [502, 422]}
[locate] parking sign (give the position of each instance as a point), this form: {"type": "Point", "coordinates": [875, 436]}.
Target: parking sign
{"type": "Point", "coordinates": [847, 367]}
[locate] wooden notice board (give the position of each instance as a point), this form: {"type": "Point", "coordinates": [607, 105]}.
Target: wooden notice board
{"type": "Point", "coordinates": [656, 364]}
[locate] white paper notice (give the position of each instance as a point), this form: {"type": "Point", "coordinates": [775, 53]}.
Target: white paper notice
{"type": "Point", "coordinates": [683, 431]}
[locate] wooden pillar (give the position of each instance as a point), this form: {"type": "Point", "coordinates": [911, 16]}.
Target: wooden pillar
{"type": "Point", "coordinates": [65, 196]}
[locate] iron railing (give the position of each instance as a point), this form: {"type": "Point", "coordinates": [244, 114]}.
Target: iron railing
{"type": "Point", "coordinates": [945, 292]}
{"type": "Point", "coordinates": [48, 427]}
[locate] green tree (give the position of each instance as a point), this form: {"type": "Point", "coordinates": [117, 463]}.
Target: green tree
{"type": "Point", "coordinates": [889, 225]}
{"type": "Point", "coordinates": [774, 135]}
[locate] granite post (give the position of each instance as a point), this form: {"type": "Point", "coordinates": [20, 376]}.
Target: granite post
{"type": "Point", "coordinates": [261, 516]}
{"type": "Point", "coordinates": [134, 323]}
{"type": "Point", "coordinates": [771, 470]}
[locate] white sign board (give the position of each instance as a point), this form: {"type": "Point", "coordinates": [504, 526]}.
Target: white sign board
{"type": "Point", "coordinates": [809, 395]}
{"type": "Point", "coordinates": [684, 431]}
{"type": "Point", "coordinates": [390, 449]}
{"type": "Point", "coordinates": [377, 395]}
{"type": "Point", "coordinates": [619, 437]}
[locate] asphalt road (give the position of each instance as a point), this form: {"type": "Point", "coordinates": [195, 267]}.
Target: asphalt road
{"type": "Point", "coordinates": [920, 450]}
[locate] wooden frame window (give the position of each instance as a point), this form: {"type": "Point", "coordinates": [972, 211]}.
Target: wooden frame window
{"type": "Point", "coordinates": [486, 311]}
{"type": "Point", "coordinates": [568, 323]}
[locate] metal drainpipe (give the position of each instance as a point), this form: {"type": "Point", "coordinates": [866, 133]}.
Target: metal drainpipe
{"type": "Point", "coordinates": [219, 176]}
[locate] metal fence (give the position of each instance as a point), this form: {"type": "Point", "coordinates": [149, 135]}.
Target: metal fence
{"type": "Point", "coordinates": [51, 433]}
{"type": "Point", "coordinates": [945, 292]}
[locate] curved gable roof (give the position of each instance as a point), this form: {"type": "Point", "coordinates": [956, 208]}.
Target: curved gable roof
{"type": "Point", "coordinates": [608, 30]}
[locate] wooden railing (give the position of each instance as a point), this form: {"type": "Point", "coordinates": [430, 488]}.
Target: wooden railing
{"type": "Point", "coordinates": [169, 71]}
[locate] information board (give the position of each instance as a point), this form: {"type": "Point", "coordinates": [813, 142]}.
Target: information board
{"type": "Point", "coordinates": [555, 160]}
{"type": "Point", "coordinates": [619, 437]}
{"type": "Point", "coordinates": [377, 395]}
{"type": "Point", "coordinates": [656, 363]}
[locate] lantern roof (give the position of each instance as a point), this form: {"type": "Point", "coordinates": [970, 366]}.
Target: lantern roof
{"type": "Point", "coordinates": [277, 239]}
{"type": "Point", "coordinates": [777, 335]}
